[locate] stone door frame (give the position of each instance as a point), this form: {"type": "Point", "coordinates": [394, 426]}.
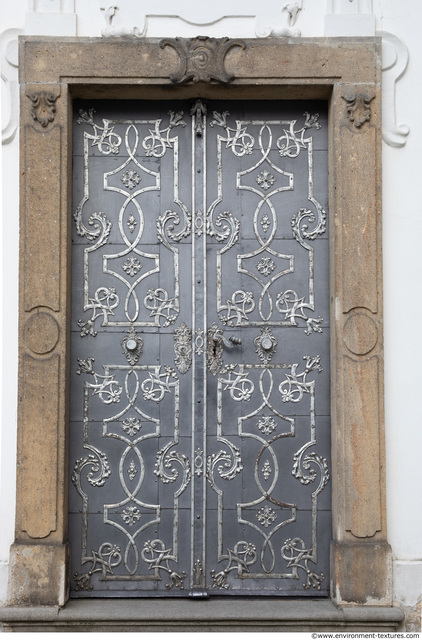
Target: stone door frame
{"type": "Point", "coordinates": [347, 73]}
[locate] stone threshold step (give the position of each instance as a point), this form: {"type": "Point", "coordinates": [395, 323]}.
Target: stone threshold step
{"type": "Point", "coordinates": [217, 614]}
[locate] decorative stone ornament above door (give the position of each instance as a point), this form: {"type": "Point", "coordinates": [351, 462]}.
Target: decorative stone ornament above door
{"type": "Point", "coordinates": [344, 72]}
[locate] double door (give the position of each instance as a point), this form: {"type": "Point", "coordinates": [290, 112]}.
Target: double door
{"type": "Point", "coordinates": [199, 419]}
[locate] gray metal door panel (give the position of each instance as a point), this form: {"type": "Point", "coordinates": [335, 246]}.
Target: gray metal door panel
{"type": "Point", "coordinates": [200, 350]}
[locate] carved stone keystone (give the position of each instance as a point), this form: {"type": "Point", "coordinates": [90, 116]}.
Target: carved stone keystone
{"type": "Point", "coordinates": [202, 59]}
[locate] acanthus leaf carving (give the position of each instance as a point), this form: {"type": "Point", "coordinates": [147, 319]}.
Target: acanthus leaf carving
{"type": "Point", "coordinates": [43, 108]}
{"type": "Point", "coordinates": [202, 59]}
{"type": "Point", "coordinates": [358, 108]}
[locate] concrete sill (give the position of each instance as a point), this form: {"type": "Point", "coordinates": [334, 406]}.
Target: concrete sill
{"type": "Point", "coordinates": [217, 614]}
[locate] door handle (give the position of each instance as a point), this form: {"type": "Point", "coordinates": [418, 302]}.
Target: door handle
{"type": "Point", "coordinates": [216, 336]}
{"type": "Point", "coordinates": [232, 342]}
{"type": "Point", "coordinates": [215, 344]}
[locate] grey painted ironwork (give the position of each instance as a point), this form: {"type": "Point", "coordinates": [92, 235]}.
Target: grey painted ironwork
{"type": "Point", "coordinates": [199, 424]}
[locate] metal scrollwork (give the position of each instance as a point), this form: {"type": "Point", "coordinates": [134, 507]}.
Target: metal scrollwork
{"type": "Point", "coordinates": [159, 383]}
{"type": "Point", "coordinates": [294, 309]}
{"type": "Point", "coordinates": [231, 463]}
{"type": "Point", "coordinates": [302, 462]}
{"type": "Point", "coordinates": [106, 387]}
{"type": "Point", "coordinates": [296, 385]}
{"type": "Point", "coordinates": [293, 141]}
{"type": "Point", "coordinates": [238, 140]}
{"type": "Point", "coordinates": [158, 557]}
{"type": "Point", "coordinates": [225, 227]}
{"type": "Point", "coordinates": [239, 559]}
{"type": "Point", "coordinates": [102, 304]}
{"type": "Point", "coordinates": [104, 560]}
{"type": "Point", "coordinates": [103, 137]}
{"type": "Point", "coordinates": [99, 465]}
{"type": "Point", "coordinates": [298, 556]}
{"type": "Point", "coordinates": [164, 470]}
{"type": "Point", "coordinates": [238, 308]}
{"type": "Point", "coordinates": [300, 230]}
{"type": "Point", "coordinates": [159, 140]}
{"type": "Point", "coordinates": [237, 382]}
{"type": "Point", "coordinates": [232, 459]}
{"type": "Point", "coordinates": [101, 226]}
{"type": "Point", "coordinates": [161, 306]}
{"type": "Point", "coordinates": [133, 180]}
{"type": "Point", "coordinates": [172, 216]}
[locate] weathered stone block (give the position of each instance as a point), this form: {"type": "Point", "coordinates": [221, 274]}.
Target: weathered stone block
{"type": "Point", "coordinates": [37, 574]}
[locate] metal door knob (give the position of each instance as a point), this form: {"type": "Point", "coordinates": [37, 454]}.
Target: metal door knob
{"type": "Point", "coordinates": [131, 344]}
{"type": "Point", "coordinates": [266, 343]}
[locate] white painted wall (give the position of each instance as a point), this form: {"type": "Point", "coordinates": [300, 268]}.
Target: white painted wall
{"type": "Point", "coordinates": [402, 211]}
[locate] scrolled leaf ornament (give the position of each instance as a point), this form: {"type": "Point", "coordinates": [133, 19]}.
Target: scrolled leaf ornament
{"type": "Point", "coordinates": [202, 59]}
{"type": "Point", "coordinates": [358, 108]}
{"type": "Point", "coordinates": [43, 108]}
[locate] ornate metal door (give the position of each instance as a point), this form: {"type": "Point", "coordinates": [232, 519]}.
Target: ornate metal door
{"type": "Point", "coordinates": [199, 434]}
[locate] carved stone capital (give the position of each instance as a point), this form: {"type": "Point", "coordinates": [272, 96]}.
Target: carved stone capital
{"type": "Point", "coordinates": [43, 108]}
{"type": "Point", "coordinates": [202, 59]}
{"type": "Point", "coordinates": [358, 108]}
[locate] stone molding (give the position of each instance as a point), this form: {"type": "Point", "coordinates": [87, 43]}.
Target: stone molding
{"type": "Point", "coordinates": [235, 615]}
{"type": "Point", "coordinates": [328, 69]}
{"type": "Point", "coordinates": [9, 71]}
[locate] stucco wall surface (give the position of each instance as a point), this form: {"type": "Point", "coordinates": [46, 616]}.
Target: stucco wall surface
{"type": "Point", "coordinates": [399, 25]}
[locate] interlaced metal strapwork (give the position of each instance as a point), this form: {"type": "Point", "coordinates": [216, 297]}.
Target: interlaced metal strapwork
{"type": "Point", "coordinates": [199, 423]}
